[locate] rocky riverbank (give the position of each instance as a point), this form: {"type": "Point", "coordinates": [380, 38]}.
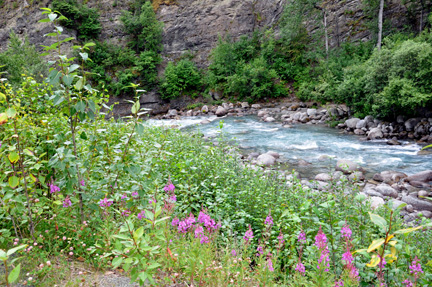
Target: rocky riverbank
{"type": "Point", "coordinates": [385, 187]}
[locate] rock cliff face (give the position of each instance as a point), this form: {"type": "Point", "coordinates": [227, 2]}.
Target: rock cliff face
{"type": "Point", "coordinates": [195, 25]}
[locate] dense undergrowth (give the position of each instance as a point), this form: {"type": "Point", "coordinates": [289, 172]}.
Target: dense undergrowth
{"type": "Point", "coordinates": [167, 207]}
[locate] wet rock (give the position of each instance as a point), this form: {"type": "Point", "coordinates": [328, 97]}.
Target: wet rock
{"type": "Point", "coordinates": [226, 106]}
{"type": "Point", "coordinates": [393, 142]}
{"type": "Point", "coordinates": [375, 133]}
{"type": "Point", "coordinates": [189, 113]}
{"type": "Point", "coordinates": [256, 106]}
{"type": "Point", "coordinates": [387, 190]}
{"type": "Point", "coordinates": [273, 154]}
{"type": "Point", "coordinates": [266, 159]}
{"type": "Point", "coordinates": [417, 203]}
{"type": "Point", "coordinates": [323, 177]}
{"type": "Point", "coordinates": [253, 155]}
{"type": "Point", "coordinates": [425, 152]}
{"type": "Point", "coordinates": [424, 176]}
{"type": "Point", "coordinates": [423, 193]}
{"type": "Point", "coordinates": [351, 123]}
{"type": "Point", "coordinates": [311, 112]}
{"type": "Point", "coordinates": [376, 202]}
{"type": "Point", "coordinates": [323, 157]}
{"type": "Point", "coordinates": [287, 126]}
{"type": "Point", "coordinates": [389, 176]}
{"type": "Point", "coordinates": [172, 113]}
{"type": "Point", "coordinates": [420, 184]}
{"type": "Point", "coordinates": [409, 208]}
{"type": "Point", "coordinates": [262, 113]}
{"type": "Point", "coordinates": [425, 213]}
{"type": "Point", "coordinates": [411, 123]}
{"type": "Point", "coordinates": [346, 166]}
{"type": "Point", "coordinates": [245, 105]}
{"type": "Point", "coordinates": [302, 162]}
{"type": "Point", "coordinates": [220, 112]}
{"type": "Point", "coordinates": [361, 124]}
{"type": "Point", "coordinates": [204, 122]}
{"type": "Point", "coordinates": [359, 132]}
{"type": "Point", "coordinates": [269, 119]}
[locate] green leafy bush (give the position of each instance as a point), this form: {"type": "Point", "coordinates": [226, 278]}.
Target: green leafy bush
{"type": "Point", "coordinates": [80, 18]}
{"type": "Point", "coordinates": [179, 78]}
{"type": "Point", "coordinates": [21, 58]}
{"type": "Point", "coordinates": [143, 28]}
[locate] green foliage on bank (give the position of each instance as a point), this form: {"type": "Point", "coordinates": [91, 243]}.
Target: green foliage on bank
{"type": "Point", "coordinates": [180, 78]}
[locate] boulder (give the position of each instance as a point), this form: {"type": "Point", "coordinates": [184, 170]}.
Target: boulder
{"type": "Point", "coordinates": [346, 166]}
{"type": "Point", "coordinates": [359, 132]}
{"type": "Point", "coordinates": [417, 204]}
{"type": "Point", "coordinates": [221, 111]}
{"type": "Point", "coordinates": [225, 106]}
{"type": "Point", "coordinates": [376, 202]}
{"type": "Point", "coordinates": [369, 119]}
{"type": "Point", "coordinates": [256, 106]}
{"type": "Point", "coordinates": [172, 113]}
{"type": "Point", "coordinates": [424, 176]}
{"type": "Point", "coordinates": [387, 190]}
{"type": "Point", "coordinates": [204, 122]}
{"type": "Point", "coordinates": [266, 159]}
{"type": "Point", "coordinates": [356, 176]}
{"type": "Point", "coordinates": [411, 123]}
{"type": "Point", "coordinates": [245, 105]}
{"type": "Point", "coordinates": [375, 133]}
{"type": "Point", "coordinates": [352, 123]}
{"type": "Point", "coordinates": [389, 176]}
{"type": "Point", "coordinates": [394, 203]}
{"type": "Point", "coordinates": [262, 113]}
{"type": "Point", "coordinates": [253, 155]}
{"type": "Point", "coordinates": [323, 177]}
{"type": "Point", "coordinates": [189, 113]}
{"type": "Point", "coordinates": [273, 154]}
{"type": "Point", "coordinates": [269, 119]}
{"type": "Point", "coordinates": [361, 124]}
{"type": "Point", "coordinates": [205, 109]}
{"type": "Point", "coordinates": [425, 213]}
{"type": "Point", "coordinates": [393, 142]}
{"type": "Point", "coordinates": [311, 112]}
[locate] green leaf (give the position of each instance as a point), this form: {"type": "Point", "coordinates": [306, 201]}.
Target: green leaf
{"type": "Point", "coordinates": [83, 136]}
{"type": "Point", "coordinates": [408, 230]}
{"type": "Point", "coordinates": [13, 250]}
{"type": "Point", "coordinates": [68, 79]}
{"type": "Point", "coordinates": [52, 17]}
{"type": "Point", "coordinates": [143, 276]}
{"type": "Point", "coordinates": [73, 68]}
{"type": "Point", "coordinates": [11, 112]}
{"type": "Point", "coordinates": [135, 107]}
{"type": "Point", "coordinates": [80, 106]}
{"type": "Point", "coordinates": [140, 129]}
{"type": "Point", "coordinates": [46, 20]}
{"type": "Point", "coordinates": [121, 236]}
{"type": "Point", "coordinates": [84, 56]}
{"type": "Point", "coordinates": [378, 220]}
{"type": "Point", "coordinates": [79, 84]}
{"type": "Point", "coordinates": [2, 97]}
{"type": "Point", "coordinates": [91, 44]}
{"type": "Point", "coordinates": [13, 181]}
{"type": "Point", "coordinates": [13, 275]}
{"type": "Point", "coordinates": [117, 261]}
{"type": "Point", "coordinates": [138, 233]}
{"type": "Point", "coordinates": [13, 157]}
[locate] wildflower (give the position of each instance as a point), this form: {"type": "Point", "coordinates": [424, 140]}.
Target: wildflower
{"type": "Point", "coordinates": [269, 219]}
{"type": "Point", "coordinates": [173, 198]}
{"type": "Point", "coordinates": [67, 202]}
{"type": "Point", "coordinates": [339, 283]}
{"type": "Point", "coordinates": [141, 215]}
{"type": "Point", "coordinates": [347, 256]}
{"type": "Point", "coordinates": [48, 263]}
{"type": "Point", "coordinates": [415, 268]}
{"type": "Point", "coordinates": [301, 237]}
{"type": "Point", "coordinates": [248, 235]}
{"type": "Point", "coordinates": [199, 231]}
{"type": "Point", "coordinates": [259, 250]}
{"type": "Point", "coordinates": [15, 243]}
{"type": "Point", "coordinates": [204, 239]}
{"type": "Point", "coordinates": [382, 262]}
{"type": "Point", "coordinates": [82, 182]}
{"type": "Point", "coordinates": [169, 187]}
{"type": "Point", "coordinates": [70, 253]}
{"type": "Point", "coordinates": [126, 213]}
{"type": "Point", "coordinates": [408, 283]}
{"type": "Point", "coordinates": [346, 231]}
{"type": "Point", "coordinates": [270, 264]}
{"type": "Point", "coordinates": [300, 268]}
{"type": "Point", "coordinates": [321, 243]}
{"type": "Point", "coordinates": [175, 221]}
{"type": "Point", "coordinates": [124, 197]}
{"type": "Point", "coordinates": [53, 188]}
{"type": "Point", "coordinates": [233, 253]}
{"type": "Point", "coordinates": [105, 202]}
{"type": "Point", "coordinates": [281, 238]}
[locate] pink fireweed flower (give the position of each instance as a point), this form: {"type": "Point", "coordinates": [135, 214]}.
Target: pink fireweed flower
{"type": "Point", "coordinates": [270, 264]}
{"type": "Point", "coordinates": [408, 283]}
{"type": "Point", "coordinates": [124, 197]}
{"type": "Point", "coordinates": [204, 239]}
{"type": "Point", "coordinates": [321, 243]}
{"type": "Point", "coordinates": [199, 231]}
{"type": "Point", "coordinates": [339, 283]}
{"type": "Point", "coordinates": [347, 256]}
{"type": "Point", "coordinates": [382, 262]}
{"type": "Point", "coordinates": [126, 213]}
{"type": "Point", "coordinates": [169, 187]}
{"type": "Point", "coordinates": [301, 237]}
{"type": "Point", "coordinates": [415, 268]}
{"type": "Point", "coordinates": [281, 239]}
{"type": "Point", "coordinates": [105, 202]}
{"type": "Point", "coordinates": [259, 250]}
{"type": "Point", "coordinates": [141, 215]}
{"type": "Point", "coordinates": [346, 231]}
{"type": "Point", "coordinates": [173, 198]}
{"type": "Point", "coordinates": [248, 235]}
{"type": "Point", "coordinates": [54, 188]}
{"type": "Point", "coordinates": [175, 221]}
{"type": "Point", "coordinates": [82, 182]}
{"type": "Point", "coordinates": [300, 268]}
{"type": "Point", "coordinates": [134, 194]}
{"type": "Point", "coordinates": [67, 202]}
{"type": "Point", "coordinates": [269, 219]}
{"type": "Point", "coordinates": [233, 253]}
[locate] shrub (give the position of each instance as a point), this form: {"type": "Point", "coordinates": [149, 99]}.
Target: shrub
{"type": "Point", "coordinates": [21, 58]}
{"type": "Point", "coordinates": [143, 28]}
{"type": "Point", "coordinates": [80, 18]}
{"type": "Point", "coordinates": [179, 78]}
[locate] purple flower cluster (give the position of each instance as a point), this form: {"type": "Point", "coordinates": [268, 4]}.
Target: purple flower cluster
{"type": "Point", "coordinates": [186, 224]}
{"type": "Point", "coordinates": [281, 239]}
{"type": "Point", "coordinates": [141, 215]}
{"type": "Point", "coordinates": [270, 264]}
{"type": "Point", "coordinates": [208, 222]}
{"type": "Point", "coordinates": [126, 213]}
{"type": "Point", "coordinates": [248, 235]}
{"type": "Point", "coordinates": [190, 223]}
{"type": "Point", "coordinates": [300, 268]}
{"type": "Point", "coordinates": [169, 187]}
{"type": "Point", "coordinates": [269, 220]}
{"type": "Point", "coordinates": [415, 268]}
{"type": "Point", "coordinates": [67, 202]}
{"type": "Point", "coordinates": [346, 233]}
{"type": "Point", "coordinates": [259, 250]}
{"type": "Point", "coordinates": [82, 182]}
{"type": "Point", "coordinates": [53, 188]}
{"type": "Point", "coordinates": [105, 202]}
{"type": "Point", "coordinates": [301, 237]}
{"type": "Point", "coordinates": [408, 283]}
{"type": "Point", "coordinates": [339, 283]}
{"type": "Point", "coordinates": [233, 253]}
{"type": "Point", "coordinates": [321, 243]}
{"type": "Point", "coordinates": [135, 194]}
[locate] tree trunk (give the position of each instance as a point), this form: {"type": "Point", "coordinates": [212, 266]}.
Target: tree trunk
{"type": "Point", "coordinates": [326, 32]}
{"type": "Point", "coordinates": [380, 24]}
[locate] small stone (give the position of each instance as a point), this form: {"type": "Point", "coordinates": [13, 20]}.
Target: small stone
{"type": "Point", "coordinates": [323, 177]}
{"type": "Point", "coordinates": [352, 123]}
{"type": "Point", "coordinates": [256, 106]}
{"type": "Point", "coordinates": [269, 119]}
{"type": "Point", "coordinates": [376, 202]}
{"type": "Point", "coordinates": [386, 190]}
{"type": "Point", "coordinates": [356, 176]}
{"type": "Point", "coordinates": [409, 208]}
{"type": "Point", "coordinates": [393, 142]}
{"type": "Point", "coordinates": [423, 193]}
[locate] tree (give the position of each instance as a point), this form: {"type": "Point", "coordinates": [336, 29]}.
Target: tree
{"type": "Point", "coordinates": [380, 23]}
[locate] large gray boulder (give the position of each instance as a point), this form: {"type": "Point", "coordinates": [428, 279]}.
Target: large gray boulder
{"type": "Point", "coordinates": [375, 133]}
{"type": "Point", "coordinates": [418, 204]}
{"type": "Point", "coordinates": [273, 154]}
{"type": "Point", "coordinates": [266, 159]}
{"type": "Point", "coordinates": [387, 190]}
{"type": "Point", "coordinates": [411, 123]}
{"type": "Point", "coordinates": [311, 112]}
{"type": "Point", "coordinates": [361, 124]}
{"type": "Point", "coordinates": [424, 176]}
{"type": "Point", "coordinates": [221, 111]}
{"type": "Point", "coordinates": [389, 176]}
{"type": "Point", "coordinates": [376, 202]}
{"type": "Point", "coordinates": [205, 109]}
{"type": "Point", "coordinates": [323, 177]}
{"type": "Point", "coordinates": [172, 113]}
{"type": "Point", "coordinates": [346, 166]}
{"type": "Point", "coordinates": [352, 123]}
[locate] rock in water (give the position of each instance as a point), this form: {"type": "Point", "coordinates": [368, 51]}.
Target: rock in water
{"type": "Point", "coordinates": [375, 133]}
{"type": "Point", "coordinates": [266, 159]}
{"type": "Point", "coordinates": [424, 176]}
{"type": "Point", "coordinates": [273, 154]}
{"type": "Point", "coordinates": [352, 123]}
{"type": "Point", "coordinates": [205, 109]}
{"type": "Point", "coordinates": [346, 166]}
{"type": "Point", "coordinates": [221, 111]}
